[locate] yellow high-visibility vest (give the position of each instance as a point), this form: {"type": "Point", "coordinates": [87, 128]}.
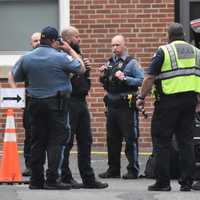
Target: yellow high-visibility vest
{"type": "Point", "coordinates": [180, 71]}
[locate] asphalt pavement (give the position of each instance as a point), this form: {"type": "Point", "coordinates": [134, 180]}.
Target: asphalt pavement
{"type": "Point", "coordinates": [118, 189]}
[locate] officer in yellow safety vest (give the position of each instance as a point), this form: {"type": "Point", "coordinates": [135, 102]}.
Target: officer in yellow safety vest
{"type": "Point", "coordinates": [174, 71]}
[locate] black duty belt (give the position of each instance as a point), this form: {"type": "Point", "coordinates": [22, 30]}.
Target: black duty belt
{"type": "Point", "coordinates": [59, 95]}
{"type": "Point", "coordinates": [122, 99]}
{"type": "Point", "coordinates": [121, 96]}
{"type": "Point", "coordinates": [78, 97]}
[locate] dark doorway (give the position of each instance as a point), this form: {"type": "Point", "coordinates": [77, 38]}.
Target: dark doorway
{"type": "Point", "coordinates": [185, 11]}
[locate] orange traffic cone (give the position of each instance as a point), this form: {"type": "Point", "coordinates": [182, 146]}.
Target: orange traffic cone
{"type": "Point", "coordinates": [10, 166]}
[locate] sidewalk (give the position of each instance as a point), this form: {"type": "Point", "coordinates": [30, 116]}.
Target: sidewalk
{"type": "Point", "coordinates": [118, 189]}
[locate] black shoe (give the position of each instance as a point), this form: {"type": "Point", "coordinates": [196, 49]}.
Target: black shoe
{"type": "Point", "coordinates": [36, 187]}
{"type": "Point", "coordinates": [57, 186]}
{"type": "Point", "coordinates": [26, 172]}
{"type": "Point", "coordinates": [129, 175]}
{"type": "Point", "coordinates": [109, 174]}
{"type": "Point", "coordinates": [196, 186]}
{"type": "Point", "coordinates": [159, 187]}
{"type": "Point", "coordinates": [185, 188]}
{"type": "Point", "coordinates": [95, 185]}
{"type": "Point", "coordinates": [74, 184]}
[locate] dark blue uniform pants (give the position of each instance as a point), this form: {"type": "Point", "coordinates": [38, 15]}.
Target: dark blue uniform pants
{"type": "Point", "coordinates": [27, 139]}
{"type": "Point", "coordinates": [174, 114]}
{"type": "Point", "coordinates": [122, 123]}
{"type": "Point", "coordinates": [80, 127]}
{"type": "Point", "coordinates": [50, 132]}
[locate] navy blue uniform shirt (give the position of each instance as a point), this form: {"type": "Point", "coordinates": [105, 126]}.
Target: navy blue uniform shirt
{"type": "Point", "coordinates": [156, 63]}
{"type": "Point", "coordinates": [46, 70]}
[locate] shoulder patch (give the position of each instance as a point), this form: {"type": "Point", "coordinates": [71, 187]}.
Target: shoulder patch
{"type": "Point", "coordinates": [69, 57]}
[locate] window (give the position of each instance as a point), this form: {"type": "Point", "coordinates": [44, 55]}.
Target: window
{"type": "Point", "coordinates": [20, 19]}
{"type": "Point", "coordinates": [185, 11]}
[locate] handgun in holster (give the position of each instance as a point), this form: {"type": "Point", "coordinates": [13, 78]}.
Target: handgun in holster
{"type": "Point", "coordinates": [130, 98]}
{"type": "Point", "coordinates": [62, 96]}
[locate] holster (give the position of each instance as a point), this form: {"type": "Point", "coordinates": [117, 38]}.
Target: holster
{"type": "Point", "coordinates": [62, 99]}
{"type": "Point", "coordinates": [121, 100]}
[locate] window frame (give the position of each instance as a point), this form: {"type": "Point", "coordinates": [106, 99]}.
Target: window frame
{"type": "Point", "coordinates": [184, 15]}
{"type": "Point", "coordinates": [7, 60]}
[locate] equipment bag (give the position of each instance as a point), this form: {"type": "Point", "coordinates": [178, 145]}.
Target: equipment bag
{"type": "Point", "coordinates": [149, 171]}
{"type": "Point", "coordinates": [196, 136]}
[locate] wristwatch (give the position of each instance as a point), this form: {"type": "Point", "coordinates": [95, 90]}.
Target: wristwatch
{"type": "Point", "coordinates": [125, 78]}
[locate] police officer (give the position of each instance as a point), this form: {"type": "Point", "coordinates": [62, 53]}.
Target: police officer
{"type": "Point", "coordinates": [121, 77]}
{"type": "Point", "coordinates": [175, 72]}
{"type": "Point", "coordinates": [49, 88]}
{"type": "Point", "coordinates": [35, 41]}
{"type": "Point", "coordinates": [79, 121]}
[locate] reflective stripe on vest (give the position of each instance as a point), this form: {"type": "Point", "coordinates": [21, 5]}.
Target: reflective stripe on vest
{"type": "Point", "coordinates": [180, 71]}
{"type": "Point", "coordinates": [172, 56]}
{"type": "Point", "coordinates": [198, 58]}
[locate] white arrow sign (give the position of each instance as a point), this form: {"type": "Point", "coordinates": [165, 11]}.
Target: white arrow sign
{"type": "Point", "coordinates": [12, 97]}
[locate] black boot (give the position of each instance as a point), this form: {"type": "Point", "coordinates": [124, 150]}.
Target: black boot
{"type": "Point", "coordinates": [159, 187]}
{"type": "Point", "coordinates": [196, 186]}
{"type": "Point", "coordinates": [95, 185]}
{"type": "Point", "coordinates": [56, 186]}
{"type": "Point", "coordinates": [110, 174]}
{"type": "Point", "coordinates": [129, 175]}
{"type": "Point", "coordinates": [26, 172]}
{"type": "Point", "coordinates": [185, 188]}
{"type": "Point", "coordinates": [74, 184]}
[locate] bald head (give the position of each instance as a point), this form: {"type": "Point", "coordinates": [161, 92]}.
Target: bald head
{"type": "Point", "coordinates": [71, 34]}
{"type": "Point", "coordinates": [118, 45]}
{"type": "Point", "coordinates": [119, 39]}
{"type": "Point", "coordinates": [35, 39]}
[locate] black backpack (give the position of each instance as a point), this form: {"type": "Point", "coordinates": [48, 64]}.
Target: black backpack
{"type": "Point", "coordinates": [196, 136]}
{"type": "Point", "coordinates": [149, 171]}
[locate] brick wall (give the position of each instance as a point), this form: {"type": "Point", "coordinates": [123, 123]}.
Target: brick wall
{"type": "Point", "coordinates": [142, 22]}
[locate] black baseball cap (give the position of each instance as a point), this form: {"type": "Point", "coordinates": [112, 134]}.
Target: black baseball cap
{"type": "Point", "coordinates": [49, 33]}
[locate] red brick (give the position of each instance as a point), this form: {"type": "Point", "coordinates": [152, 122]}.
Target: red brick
{"type": "Point", "coordinates": [144, 25]}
